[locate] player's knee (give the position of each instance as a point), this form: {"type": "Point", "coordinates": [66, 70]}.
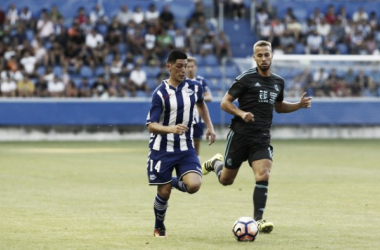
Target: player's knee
{"type": "Point", "coordinates": [226, 182]}
{"type": "Point", "coordinates": [193, 188]}
{"type": "Point", "coordinates": [263, 176]}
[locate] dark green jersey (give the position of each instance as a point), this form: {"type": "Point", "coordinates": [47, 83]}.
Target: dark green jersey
{"type": "Point", "coordinates": [256, 94]}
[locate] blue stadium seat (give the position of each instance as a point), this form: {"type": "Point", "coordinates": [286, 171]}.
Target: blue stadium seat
{"type": "Point", "coordinates": [57, 70]}
{"type": "Point", "coordinates": [41, 70]}
{"type": "Point", "coordinates": [342, 48]}
{"type": "Point", "coordinates": [108, 59]}
{"type": "Point", "coordinates": [210, 60]}
{"type": "Point", "coordinates": [99, 71]}
{"type": "Point", "coordinates": [86, 71]}
{"type": "Point", "coordinates": [151, 71]}
{"type": "Point", "coordinates": [29, 35]}
{"type": "Point", "coordinates": [299, 49]}
{"type": "Point", "coordinates": [231, 71]}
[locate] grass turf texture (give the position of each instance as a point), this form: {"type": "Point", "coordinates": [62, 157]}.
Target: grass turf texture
{"type": "Point", "coordinates": [323, 194]}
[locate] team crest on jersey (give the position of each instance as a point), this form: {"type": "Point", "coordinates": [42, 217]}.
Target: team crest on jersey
{"type": "Point", "coordinates": [190, 92]}
{"type": "Point", "coordinates": [276, 87]}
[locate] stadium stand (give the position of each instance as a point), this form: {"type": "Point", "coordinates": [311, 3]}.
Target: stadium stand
{"type": "Point", "coordinates": [350, 28]}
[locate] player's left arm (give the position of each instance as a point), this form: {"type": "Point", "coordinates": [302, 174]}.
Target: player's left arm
{"type": "Point", "coordinates": [287, 107]}
{"type": "Point", "coordinates": [203, 112]}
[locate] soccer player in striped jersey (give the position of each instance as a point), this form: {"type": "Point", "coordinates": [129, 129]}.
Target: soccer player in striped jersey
{"type": "Point", "coordinates": [170, 122]}
{"type": "Point", "coordinates": [207, 96]}
{"type": "Point", "coordinates": [258, 92]}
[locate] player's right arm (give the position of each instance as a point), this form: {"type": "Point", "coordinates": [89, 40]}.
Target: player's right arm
{"type": "Point", "coordinates": [157, 128]}
{"type": "Point", "coordinates": [228, 106]}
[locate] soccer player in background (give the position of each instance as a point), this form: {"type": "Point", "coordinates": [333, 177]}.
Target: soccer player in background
{"type": "Point", "coordinates": [199, 126]}
{"type": "Point", "coordinates": [170, 122]}
{"type": "Point", "coordinates": [258, 92]}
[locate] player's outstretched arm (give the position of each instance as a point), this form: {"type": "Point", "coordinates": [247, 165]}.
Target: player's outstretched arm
{"type": "Point", "coordinates": [228, 106]}
{"type": "Point", "coordinates": [287, 107]}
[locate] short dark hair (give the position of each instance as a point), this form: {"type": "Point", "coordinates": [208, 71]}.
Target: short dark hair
{"type": "Point", "coordinates": [176, 54]}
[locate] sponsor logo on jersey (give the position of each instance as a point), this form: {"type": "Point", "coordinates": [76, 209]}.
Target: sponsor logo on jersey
{"type": "Point", "coordinates": [257, 84]}
{"type": "Point", "coordinates": [276, 87]}
{"type": "Point", "coordinates": [190, 92]}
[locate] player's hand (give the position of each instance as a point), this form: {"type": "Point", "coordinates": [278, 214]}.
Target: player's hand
{"type": "Point", "coordinates": [305, 101]}
{"type": "Point", "coordinates": [248, 117]}
{"type": "Point", "coordinates": [180, 129]}
{"type": "Point", "coordinates": [210, 136]}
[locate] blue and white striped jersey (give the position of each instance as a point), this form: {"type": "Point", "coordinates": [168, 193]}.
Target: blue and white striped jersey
{"type": "Point", "coordinates": [171, 106]}
{"type": "Point", "coordinates": [206, 88]}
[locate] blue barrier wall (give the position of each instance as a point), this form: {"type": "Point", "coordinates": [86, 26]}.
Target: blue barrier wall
{"type": "Point", "coordinates": [88, 112]}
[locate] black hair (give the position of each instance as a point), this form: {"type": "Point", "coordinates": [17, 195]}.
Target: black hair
{"type": "Point", "coordinates": [176, 54]}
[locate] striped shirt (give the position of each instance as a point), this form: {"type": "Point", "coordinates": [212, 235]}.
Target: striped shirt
{"type": "Point", "coordinates": [205, 87]}
{"type": "Point", "coordinates": [171, 106]}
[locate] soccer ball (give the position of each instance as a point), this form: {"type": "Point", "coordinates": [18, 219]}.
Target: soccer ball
{"type": "Point", "coordinates": [245, 229]}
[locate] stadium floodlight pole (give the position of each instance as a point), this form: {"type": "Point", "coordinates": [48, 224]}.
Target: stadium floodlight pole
{"type": "Point", "coordinates": [253, 14]}
{"type": "Point", "coordinates": [221, 15]}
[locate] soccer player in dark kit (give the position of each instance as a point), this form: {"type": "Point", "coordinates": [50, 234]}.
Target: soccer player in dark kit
{"type": "Point", "coordinates": [258, 92]}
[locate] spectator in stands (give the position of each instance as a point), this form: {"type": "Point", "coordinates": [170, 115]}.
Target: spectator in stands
{"type": "Point", "coordinates": [359, 15]}
{"type": "Point", "coordinates": [265, 31]}
{"type": "Point", "coordinates": [349, 76]}
{"type": "Point", "coordinates": [96, 14]}
{"type": "Point", "coordinates": [25, 87]}
{"type": "Point", "coordinates": [320, 76]}
{"type": "Point", "coordinates": [71, 90]}
{"type": "Point", "coordinates": [238, 8]}
{"type": "Point", "coordinates": [116, 65]}
{"type": "Point", "coordinates": [373, 21]}
{"type": "Point", "coordinates": [138, 15]}
{"type": "Point", "coordinates": [115, 89]}
{"type": "Point", "coordinates": [207, 46]}
{"type": "Point", "coordinates": [112, 42]}
{"type": "Point", "coordinates": [294, 27]}
{"type": "Point", "coordinates": [26, 17]}
{"type": "Point", "coordinates": [338, 31]}
{"type": "Point", "coordinates": [2, 17]}
{"type": "Point", "coordinates": [93, 39]}
{"type": "Point", "coordinates": [56, 54]}
{"type": "Point", "coordinates": [330, 44]}
{"type": "Point", "coordinates": [84, 88]}
{"type": "Point", "coordinates": [314, 43]}
{"type": "Point", "coordinates": [287, 42]}
{"type": "Point", "coordinates": [323, 28]}
{"type": "Point", "coordinates": [278, 29]}
{"type": "Point", "coordinates": [41, 87]}
{"type": "Point", "coordinates": [152, 14]}
{"type": "Point", "coordinates": [8, 87]}
{"type": "Point", "coordinates": [330, 15]}
{"type": "Point", "coordinates": [29, 63]}
{"type": "Point", "coordinates": [342, 15]}
{"type": "Point", "coordinates": [56, 87]}
{"type": "Point", "coordinates": [100, 88]}
{"type": "Point", "coordinates": [261, 18]}
{"type": "Point", "coordinates": [166, 17]}
{"type": "Point", "coordinates": [356, 42]}
{"type": "Point", "coordinates": [222, 46]}
{"type": "Point", "coordinates": [317, 15]}
{"type": "Point", "coordinates": [12, 14]}
{"type": "Point", "coordinates": [55, 14]}
{"type": "Point", "coordinates": [81, 16]}
{"type": "Point", "coordinates": [124, 15]}
{"type": "Point", "coordinates": [162, 74]}
{"type": "Point", "coordinates": [45, 27]}
{"type": "Point", "coordinates": [164, 42]}
{"type": "Point", "coordinates": [87, 27]}
{"type": "Point", "coordinates": [149, 42]}
{"type": "Point", "coordinates": [137, 80]}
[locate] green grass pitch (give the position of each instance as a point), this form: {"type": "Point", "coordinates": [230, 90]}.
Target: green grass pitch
{"type": "Point", "coordinates": [323, 194]}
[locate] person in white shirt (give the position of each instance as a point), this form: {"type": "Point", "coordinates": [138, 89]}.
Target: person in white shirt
{"type": "Point", "coordinates": [138, 15]}
{"type": "Point", "coordinates": [56, 87]}
{"type": "Point", "coordinates": [152, 14]}
{"type": "Point", "coordinates": [8, 87]}
{"type": "Point", "coordinates": [124, 16]}
{"type": "Point", "coordinates": [93, 39]}
{"type": "Point", "coordinates": [12, 15]}
{"type": "Point", "coordinates": [29, 63]}
{"type": "Point", "coordinates": [45, 26]}
{"type": "Point", "coordinates": [360, 15]}
{"type": "Point", "coordinates": [137, 80]}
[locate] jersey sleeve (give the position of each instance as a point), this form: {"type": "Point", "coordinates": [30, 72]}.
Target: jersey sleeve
{"type": "Point", "coordinates": [237, 89]}
{"type": "Point", "coordinates": [280, 97]}
{"type": "Point", "coordinates": [200, 98]}
{"type": "Point", "coordinates": [156, 109]}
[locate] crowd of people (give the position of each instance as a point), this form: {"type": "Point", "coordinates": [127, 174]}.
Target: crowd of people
{"type": "Point", "coordinates": [97, 55]}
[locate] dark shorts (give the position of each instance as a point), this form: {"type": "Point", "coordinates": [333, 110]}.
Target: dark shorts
{"type": "Point", "coordinates": [241, 148]}
{"type": "Point", "coordinates": [160, 165]}
{"type": "Point", "coordinates": [198, 130]}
